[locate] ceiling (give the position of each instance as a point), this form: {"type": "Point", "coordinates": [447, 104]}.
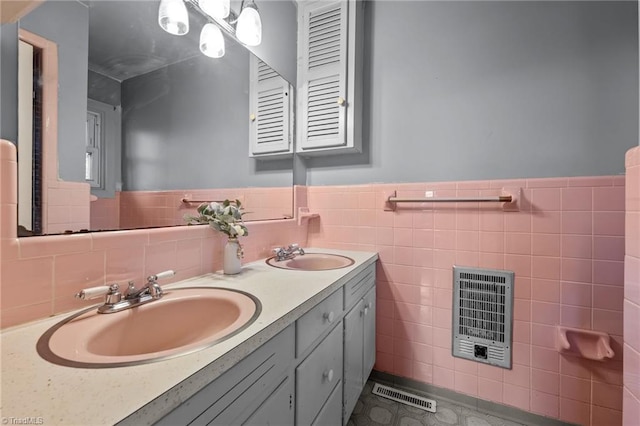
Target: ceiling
{"type": "Point", "coordinates": [125, 39]}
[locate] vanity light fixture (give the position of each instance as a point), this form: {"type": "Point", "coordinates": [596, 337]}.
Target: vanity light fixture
{"type": "Point", "coordinates": [249, 26]}
{"type": "Point", "coordinates": [212, 41]}
{"type": "Point", "coordinates": [173, 17]}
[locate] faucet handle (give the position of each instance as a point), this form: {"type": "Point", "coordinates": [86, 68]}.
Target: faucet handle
{"type": "Point", "coordinates": [95, 292]}
{"type": "Point", "coordinates": [160, 275]}
{"type": "Point", "coordinates": [131, 289]}
{"type": "Point", "coordinates": [153, 287]}
{"type": "Point", "coordinates": [296, 247]}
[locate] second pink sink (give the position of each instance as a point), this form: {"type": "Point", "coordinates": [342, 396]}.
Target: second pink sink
{"type": "Point", "coordinates": [183, 321]}
{"type": "Point", "coordinates": [312, 262]}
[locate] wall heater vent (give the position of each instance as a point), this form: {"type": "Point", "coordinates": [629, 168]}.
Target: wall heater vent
{"type": "Point", "coordinates": [404, 397]}
{"type": "Point", "coordinates": [483, 315]}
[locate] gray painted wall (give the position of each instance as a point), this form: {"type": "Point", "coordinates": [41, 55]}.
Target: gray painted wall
{"type": "Point", "coordinates": [9, 82]}
{"type": "Point", "coordinates": [279, 36]}
{"type": "Point", "coordinates": [104, 89]}
{"type": "Point", "coordinates": [186, 127]}
{"type": "Point", "coordinates": [67, 24]}
{"type": "Point", "coordinates": [479, 90]}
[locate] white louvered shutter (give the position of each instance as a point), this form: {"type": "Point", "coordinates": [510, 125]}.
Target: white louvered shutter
{"type": "Point", "coordinates": [270, 105]}
{"type": "Point", "coordinates": [324, 74]}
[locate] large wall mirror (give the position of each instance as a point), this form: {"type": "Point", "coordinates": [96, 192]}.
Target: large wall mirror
{"type": "Point", "coordinates": [147, 126]}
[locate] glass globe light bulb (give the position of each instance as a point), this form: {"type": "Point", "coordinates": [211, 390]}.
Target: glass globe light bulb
{"type": "Point", "coordinates": [173, 17]}
{"type": "Point", "coordinates": [215, 8]}
{"type": "Point", "coordinates": [212, 41]}
{"type": "Point", "coordinates": [249, 27]}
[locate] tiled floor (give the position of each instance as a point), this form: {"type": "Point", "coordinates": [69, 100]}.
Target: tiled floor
{"type": "Point", "coordinates": [372, 410]}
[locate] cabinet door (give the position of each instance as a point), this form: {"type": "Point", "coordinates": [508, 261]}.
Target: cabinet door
{"type": "Point", "coordinates": [323, 73]}
{"type": "Point", "coordinates": [277, 410]}
{"type": "Point", "coordinates": [369, 349]}
{"type": "Point", "coordinates": [353, 368]}
{"type": "Point", "coordinates": [270, 129]}
{"type": "Point", "coordinates": [317, 375]}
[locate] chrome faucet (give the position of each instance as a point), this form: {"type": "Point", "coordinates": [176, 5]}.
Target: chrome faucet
{"type": "Point", "coordinates": [288, 252]}
{"type": "Point", "coordinates": [115, 301]}
{"type": "Point", "coordinates": [152, 289]}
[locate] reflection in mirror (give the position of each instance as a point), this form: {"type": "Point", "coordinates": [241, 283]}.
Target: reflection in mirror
{"type": "Point", "coordinates": [147, 126]}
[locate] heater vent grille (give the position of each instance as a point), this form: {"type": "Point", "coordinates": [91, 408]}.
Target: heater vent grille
{"type": "Point", "coordinates": [404, 397]}
{"type": "Point", "coordinates": [482, 315]}
{"type": "Point", "coordinates": [482, 306]}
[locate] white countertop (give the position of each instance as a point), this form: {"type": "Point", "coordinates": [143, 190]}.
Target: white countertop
{"type": "Point", "coordinates": [142, 394]}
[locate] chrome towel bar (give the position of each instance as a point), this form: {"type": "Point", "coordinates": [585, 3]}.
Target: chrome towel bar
{"type": "Point", "coordinates": [187, 201]}
{"type": "Point", "coordinates": [509, 199]}
{"type": "Point", "coordinates": [496, 199]}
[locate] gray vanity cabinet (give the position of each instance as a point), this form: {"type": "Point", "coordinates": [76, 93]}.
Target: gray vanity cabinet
{"type": "Point", "coordinates": [311, 373]}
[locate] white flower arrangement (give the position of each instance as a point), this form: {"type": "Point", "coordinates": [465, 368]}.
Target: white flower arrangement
{"type": "Point", "coordinates": [225, 217]}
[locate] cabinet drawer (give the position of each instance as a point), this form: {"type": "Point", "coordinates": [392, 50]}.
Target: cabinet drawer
{"type": "Point", "coordinates": [358, 286]}
{"type": "Point", "coordinates": [314, 323]}
{"type": "Point", "coordinates": [331, 413]}
{"type": "Point", "coordinates": [317, 376]}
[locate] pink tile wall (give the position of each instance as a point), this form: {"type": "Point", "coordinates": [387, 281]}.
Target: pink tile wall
{"type": "Point", "coordinates": [67, 206]}
{"type": "Point", "coordinates": [39, 275]}
{"type": "Point", "coordinates": [566, 246]}
{"type": "Point", "coordinates": [631, 393]}
{"type": "Point", "coordinates": [165, 208]}
{"type": "Point", "coordinates": [105, 213]}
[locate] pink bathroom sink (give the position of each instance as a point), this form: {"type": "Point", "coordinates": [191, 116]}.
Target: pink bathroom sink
{"type": "Point", "coordinates": [183, 321]}
{"type": "Point", "coordinates": [313, 262]}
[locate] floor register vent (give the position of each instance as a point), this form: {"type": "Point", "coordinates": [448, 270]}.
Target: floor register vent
{"type": "Point", "coordinates": [404, 397]}
{"type": "Point", "coordinates": [483, 315]}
